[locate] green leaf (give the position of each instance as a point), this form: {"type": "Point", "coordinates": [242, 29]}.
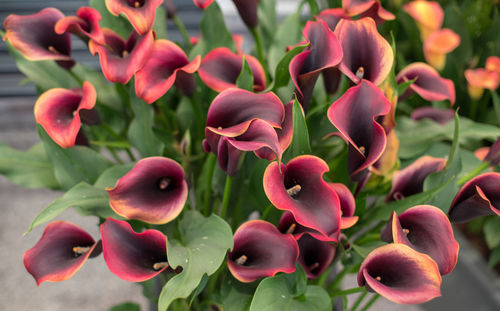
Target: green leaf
{"type": "Point", "coordinates": [494, 257]}
{"type": "Point", "coordinates": [160, 25]}
{"type": "Point", "coordinates": [289, 292]}
{"type": "Point", "coordinates": [266, 12]}
{"type": "Point", "coordinates": [202, 251]}
{"type": "Point", "coordinates": [288, 33]}
{"type": "Point", "coordinates": [364, 250]}
{"type": "Point", "coordinates": [245, 78]}
{"type": "Point", "coordinates": [496, 104]}
{"type": "Point", "coordinates": [300, 141]}
{"type": "Point", "coordinates": [405, 85]}
{"type": "Point", "coordinates": [140, 132]}
{"type": "Point", "coordinates": [492, 231]}
{"type": "Point", "coordinates": [83, 196]}
{"type": "Point", "coordinates": [281, 73]}
{"type": "Point", "coordinates": [126, 306]}
{"type": "Point", "coordinates": [119, 24]}
{"type": "Point", "coordinates": [313, 7]}
{"type": "Point", "coordinates": [234, 295]}
{"type": "Point", "coordinates": [30, 169]}
{"type": "Point", "coordinates": [73, 165]}
{"type": "Point", "coordinates": [110, 176]}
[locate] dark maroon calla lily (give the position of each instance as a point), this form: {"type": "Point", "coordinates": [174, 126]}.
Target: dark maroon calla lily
{"type": "Point", "coordinates": [400, 274]}
{"type": "Point", "coordinates": [426, 229]}
{"type": "Point", "coordinates": [493, 154]}
{"type": "Point", "coordinates": [220, 68]}
{"type": "Point", "coordinates": [299, 187]}
{"type": "Point", "coordinates": [154, 191]}
{"type": "Point", "coordinates": [202, 4]}
{"type": "Point", "coordinates": [347, 205]}
{"type": "Point", "coordinates": [59, 111]}
{"type": "Point", "coordinates": [260, 250]}
{"type": "Point", "coordinates": [85, 25]}
{"type": "Point", "coordinates": [429, 84]}
{"type": "Point", "coordinates": [314, 255]}
{"type": "Point", "coordinates": [368, 8]}
{"type": "Point", "coordinates": [121, 59]}
{"type": "Point", "coordinates": [34, 36]}
{"type": "Point", "coordinates": [240, 120]}
{"type": "Point", "coordinates": [323, 52]}
{"type": "Point", "coordinates": [167, 64]}
{"type": "Point", "coordinates": [441, 116]}
{"type": "Point", "coordinates": [354, 116]}
{"type": "Point", "coordinates": [367, 55]}
{"type": "Point", "coordinates": [410, 180]}
{"type": "Point", "coordinates": [61, 251]}
{"type": "Point", "coordinates": [248, 11]}
{"type": "Point", "coordinates": [133, 257]}
{"type": "Point", "coordinates": [480, 196]}
{"type": "Point", "coordinates": [140, 13]}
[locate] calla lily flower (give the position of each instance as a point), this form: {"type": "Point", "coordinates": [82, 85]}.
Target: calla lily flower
{"type": "Point", "coordinates": [354, 116]}
{"type": "Point", "coordinates": [154, 191]}
{"type": "Point", "coordinates": [428, 15]}
{"type": "Point", "coordinates": [260, 250]}
{"type": "Point", "coordinates": [314, 255]}
{"type": "Point", "coordinates": [323, 52]}
{"type": "Point", "coordinates": [426, 229]}
{"type": "Point", "coordinates": [480, 196]}
{"type": "Point", "coordinates": [60, 111]}
{"type": "Point", "coordinates": [493, 64]}
{"type": "Point", "coordinates": [133, 257]}
{"type": "Point", "coordinates": [347, 205]}
{"type": "Point", "coordinates": [240, 120]}
{"type": "Point", "coordinates": [400, 274]}
{"type": "Point", "coordinates": [85, 25]}
{"type": "Point", "coordinates": [61, 251]}
{"type": "Point", "coordinates": [299, 187]}
{"type": "Point", "coordinates": [480, 79]}
{"type": "Point", "coordinates": [367, 8]}
{"type": "Point", "coordinates": [140, 13]}
{"type": "Point", "coordinates": [167, 64]}
{"type": "Point", "coordinates": [428, 84]}
{"type": "Point", "coordinates": [438, 44]}
{"type": "Point", "coordinates": [332, 17]}
{"type": "Point", "coordinates": [441, 116]}
{"type": "Point", "coordinates": [202, 4]}
{"type": "Point", "coordinates": [492, 153]}
{"type": "Point", "coordinates": [34, 36]}
{"type": "Point", "coordinates": [367, 55]}
{"type": "Point", "coordinates": [410, 180]}
{"type": "Point", "coordinates": [248, 11]}
{"type": "Point", "coordinates": [220, 68]}
{"type": "Point", "coordinates": [121, 59]}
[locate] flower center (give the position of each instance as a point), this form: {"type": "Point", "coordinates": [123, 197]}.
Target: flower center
{"type": "Point", "coordinates": [313, 266]}
{"type": "Point", "coordinates": [406, 231]}
{"type": "Point", "coordinates": [294, 191]}
{"type": "Point", "coordinates": [241, 260]}
{"type": "Point", "coordinates": [163, 183]}
{"type": "Point", "coordinates": [53, 49]}
{"type": "Point", "coordinates": [80, 250]}
{"type": "Point", "coordinates": [291, 229]}
{"type": "Point", "coordinates": [124, 53]}
{"type": "Point", "coordinates": [360, 73]}
{"type": "Point", "coordinates": [136, 3]}
{"type": "Point", "coordinates": [160, 265]}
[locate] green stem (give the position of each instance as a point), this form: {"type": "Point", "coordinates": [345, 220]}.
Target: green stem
{"type": "Point", "coordinates": [476, 171]}
{"type": "Point", "coordinates": [358, 301]}
{"type": "Point", "coordinates": [75, 76]}
{"type": "Point", "coordinates": [117, 136]}
{"type": "Point", "coordinates": [208, 185]}
{"type": "Point", "coordinates": [225, 198]}
{"type": "Point", "coordinates": [183, 30]}
{"type": "Point", "coordinates": [371, 302]}
{"type": "Point", "coordinates": [473, 109]}
{"type": "Point", "coordinates": [258, 45]}
{"type": "Point", "coordinates": [198, 118]}
{"type": "Point", "coordinates": [114, 155]}
{"type": "Point", "coordinates": [267, 211]}
{"type": "Point", "coordinates": [348, 291]}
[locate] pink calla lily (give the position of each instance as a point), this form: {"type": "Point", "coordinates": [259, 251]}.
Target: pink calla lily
{"type": "Point", "coordinates": [140, 13]}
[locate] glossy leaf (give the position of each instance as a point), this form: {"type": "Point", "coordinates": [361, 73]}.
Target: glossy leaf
{"type": "Point", "coordinates": [288, 33]}
{"type": "Point", "coordinates": [118, 23]}
{"type": "Point", "coordinates": [281, 73]}
{"type": "Point", "coordinates": [126, 306]}
{"type": "Point", "coordinates": [300, 138]}
{"type": "Point", "coordinates": [492, 232]}
{"type": "Point", "coordinates": [30, 169]}
{"type": "Point", "coordinates": [83, 196]}
{"type": "Point", "coordinates": [204, 246]}
{"type": "Point", "coordinates": [110, 176]}
{"type": "Point", "coordinates": [245, 78]}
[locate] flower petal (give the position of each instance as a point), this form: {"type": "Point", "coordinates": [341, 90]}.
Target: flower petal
{"type": "Point", "coordinates": [367, 8]}
{"type": "Point", "coordinates": [400, 274]}
{"type": "Point", "coordinates": [85, 24]}
{"type": "Point", "coordinates": [438, 44]}
{"type": "Point", "coordinates": [426, 229]}
{"type": "Point", "coordinates": [493, 64]}
{"type": "Point", "coordinates": [248, 11]}
{"type": "Point", "coordinates": [367, 55]}
{"type": "Point", "coordinates": [154, 191]}
{"type": "Point", "coordinates": [203, 4]}
{"type": "Point", "coordinates": [314, 255]}
{"type": "Point", "coordinates": [428, 14]}
{"type": "Point", "coordinates": [441, 116]}
{"type": "Point", "coordinates": [478, 197]}
{"type": "Point", "coordinates": [332, 17]}
{"type": "Point", "coordinates": [133, 257]}
{"type": "Point", "coordinates": [60, 252]}
{"type": "Point", "coordinates": [260, 250]}
{"type": "Point", "coordinates": [140, 13]}
{"type": "Point", "coordinates": [58, 112]}
{"type": "Point", "coordinates": [429, 84]}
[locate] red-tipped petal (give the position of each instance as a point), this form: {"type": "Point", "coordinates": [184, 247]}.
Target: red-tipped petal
{"type": "Point", "coordinates": [58, 112]}
{"type": "Point", "coordinates": [367, 8]}
{"type": "Point", "coordinates": [493, 64]}
{"type": "Point", "coordinates": [438, 44]}
{"type": "Point", "coordinates": [428, 14]}
{"type": "Point", "coordinates": [400, 274]}
{"type": "Point", "coordinates": [260, 250]}
{"type": "Point", "coordinates": [441, 116]}
{"type": "Point", "coordinates": [332, 17]}
{"type": "Point", "coordinates": [314, 255]}
{"type": "Point", "coordinates": [493, 154]}
{"type": "Point", "coordinates": [480, 196]}
{"type": "Point", "coordinates": [134, 257]}
{"type": "Point", "coordinates": [248, 11]}
{"type": "Point", "coordinates": [84, 24]}
{"type": "Point", "coordinates": [161, 70]}
{"type": "Point", "coordinates": [429, 84]}
{"type": "Point", "coordinates": [299, 187]}
{"type": "Point", "coordinates": [354, 116]}
{"type": "Point", "coordinates": [482, 78]}
{"type": "Point", "coordinates": [203, 4]}
{"type": "Point", "coordinates": [347, 205]}
{"type": "Point", "coordinates": [60, 252]}
{"type": "Point", "coordinates": [140, 13]}
{"type": "Point", "coordinates": [154, 191]}
{"type": "Point", "coordinates": [367, 54]}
